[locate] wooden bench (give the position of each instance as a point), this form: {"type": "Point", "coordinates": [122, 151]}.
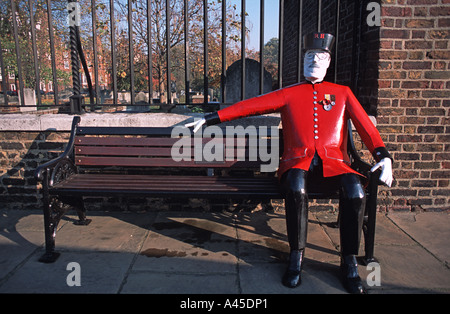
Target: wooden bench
{"type": "Point", "coordinates": [139, 162]}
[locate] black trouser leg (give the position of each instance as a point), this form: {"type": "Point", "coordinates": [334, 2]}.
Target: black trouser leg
{"type": "Point", "coordinates": [296, 203]}
{"type": "Point", "coordinates": [351, 210]}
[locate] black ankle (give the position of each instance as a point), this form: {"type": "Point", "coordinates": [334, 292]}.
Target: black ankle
{"type": "Point", "coordinates": [350, 276]}
{"type": "Point", "coordinates": [292, 276]}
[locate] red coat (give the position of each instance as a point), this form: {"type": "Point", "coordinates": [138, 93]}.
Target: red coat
{"type": "Point", "coordinates": [308, 127]}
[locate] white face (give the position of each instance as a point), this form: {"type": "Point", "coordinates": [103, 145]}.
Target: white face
{"type": "Point", "coordinates": [316, 64]}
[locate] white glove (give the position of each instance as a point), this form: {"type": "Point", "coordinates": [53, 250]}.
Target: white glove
{"type": "Point", "coordinates": [196, 124]}
{"type": "Point", "coordinates": [386, 171]}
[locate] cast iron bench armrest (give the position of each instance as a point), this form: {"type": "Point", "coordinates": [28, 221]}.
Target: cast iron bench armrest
{"type": "Point", "coordinates": [39, 173]}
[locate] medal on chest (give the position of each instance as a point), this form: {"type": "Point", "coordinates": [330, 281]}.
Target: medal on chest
{"type": "Point", "coordinates": [328, 102]}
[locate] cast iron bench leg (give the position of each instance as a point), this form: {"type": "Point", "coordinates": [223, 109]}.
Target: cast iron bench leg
{"type": "Point", "coordinates": [81, 211]}
{"type": "Point", "coordinates": [50, 225]}
{"type": "Point", "coordinates": [54, 210]}
{"type": "Point", "coordinates": [369, 223]}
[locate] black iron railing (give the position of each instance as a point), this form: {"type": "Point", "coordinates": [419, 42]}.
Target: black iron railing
{"type": "Point", "coordinates": [78, 100]}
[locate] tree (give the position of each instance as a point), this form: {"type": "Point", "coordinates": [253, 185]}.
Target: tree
{"type": "Point", "coordinates": [177, 38]}
{"type": "Point", "coordinates": [40, 17]}
{"type": "Point", "coordinates": [270, 57]}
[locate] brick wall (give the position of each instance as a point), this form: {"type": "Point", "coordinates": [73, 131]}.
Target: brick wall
{"type": "Point", "coordinates": [401, 75]}
{"type": "Point", "coordinates": [414, 97]}
{"type": "Point", "coordinates": [21, 153]}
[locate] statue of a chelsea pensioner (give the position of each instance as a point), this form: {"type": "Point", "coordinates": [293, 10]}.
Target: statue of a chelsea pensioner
{"type": "Point", "coordinates": [314, 116]}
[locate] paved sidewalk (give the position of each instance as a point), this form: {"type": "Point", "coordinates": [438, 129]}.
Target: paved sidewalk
{"type": "Point", "coordinates": [214, 253]}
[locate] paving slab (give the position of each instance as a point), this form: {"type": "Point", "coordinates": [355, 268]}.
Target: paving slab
{"type": "Point", "coordinates": [20, 236]}
{"type": "Point", "coordinates": [192, 242]}
{"type": "Point", "coordinates": [263, 235]}
{"type": "Point", "coordinates": [409, 269]}
{"type": "Point", "coordinates": [139, 282]}
{"type": "Point", "coordinates": [265, 278]}
{"type": "Point", "coordinates": [99, 273]}
{"type": "Point", "coordinates": [108, 232]}
{"type": "Point", "coordinates": [406, 266]}
{"type": "Point", "coordinates": [264, 251]}
{"type": "Point", "coordinates": [21, 245]}
{"type": "Point", "coordinates": [214, 253]}
{"type": "Point", "coordinates": [187, 253]}
{"type": "Point", "coordinates": [430, 230]}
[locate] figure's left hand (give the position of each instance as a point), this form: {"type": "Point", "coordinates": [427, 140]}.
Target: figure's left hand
{"type": "Point", "coordinates": [386, 171]}
{"type": "Point", "coordinates": [197, 124]}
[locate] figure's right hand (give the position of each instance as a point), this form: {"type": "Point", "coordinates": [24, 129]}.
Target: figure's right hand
{"type": "Point", "coordinates": [386, 171]}
{"type": "Point", "coordinates": [196, 124]}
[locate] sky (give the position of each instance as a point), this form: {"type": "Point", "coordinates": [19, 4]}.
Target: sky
{"type": "Point", "coordinates": [271, 20]}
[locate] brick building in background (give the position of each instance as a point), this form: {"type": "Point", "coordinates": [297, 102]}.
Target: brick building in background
{"type": "Point", "coordinates": [400, 72]}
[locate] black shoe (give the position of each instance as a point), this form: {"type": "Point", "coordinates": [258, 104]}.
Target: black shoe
{"type": "Point", "coordinates": [292, 276]}
{"type": "Point", "coordinates": [350, 277]}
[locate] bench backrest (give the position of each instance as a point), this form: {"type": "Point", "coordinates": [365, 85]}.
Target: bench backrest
{"type": "Point", "coordinates": [164, 147]}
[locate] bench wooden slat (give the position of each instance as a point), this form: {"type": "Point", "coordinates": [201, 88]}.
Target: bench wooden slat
{"type": "Point", "coordinates": [166, 185]}
{"type": "Point", "coordinates": [99, 130]}
{"type": "Point", "coordinates": [163, 179]}
{"type": "Point", "coordinates": [122, 151]}
{"type": "Point", "coordinates": [160, 162]}
{"type": "Point", "coordinates": [143, 151]}
{"type": "Point", "coordinates": [124, 141]}
{"type": "Point", "coordinates": [158, 141]}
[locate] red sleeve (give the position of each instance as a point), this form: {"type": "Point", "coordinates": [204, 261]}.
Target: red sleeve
{"type": "Point", "coordinates": [366, 129]}
{"type": "Point", "coordinates": [263, 104]}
